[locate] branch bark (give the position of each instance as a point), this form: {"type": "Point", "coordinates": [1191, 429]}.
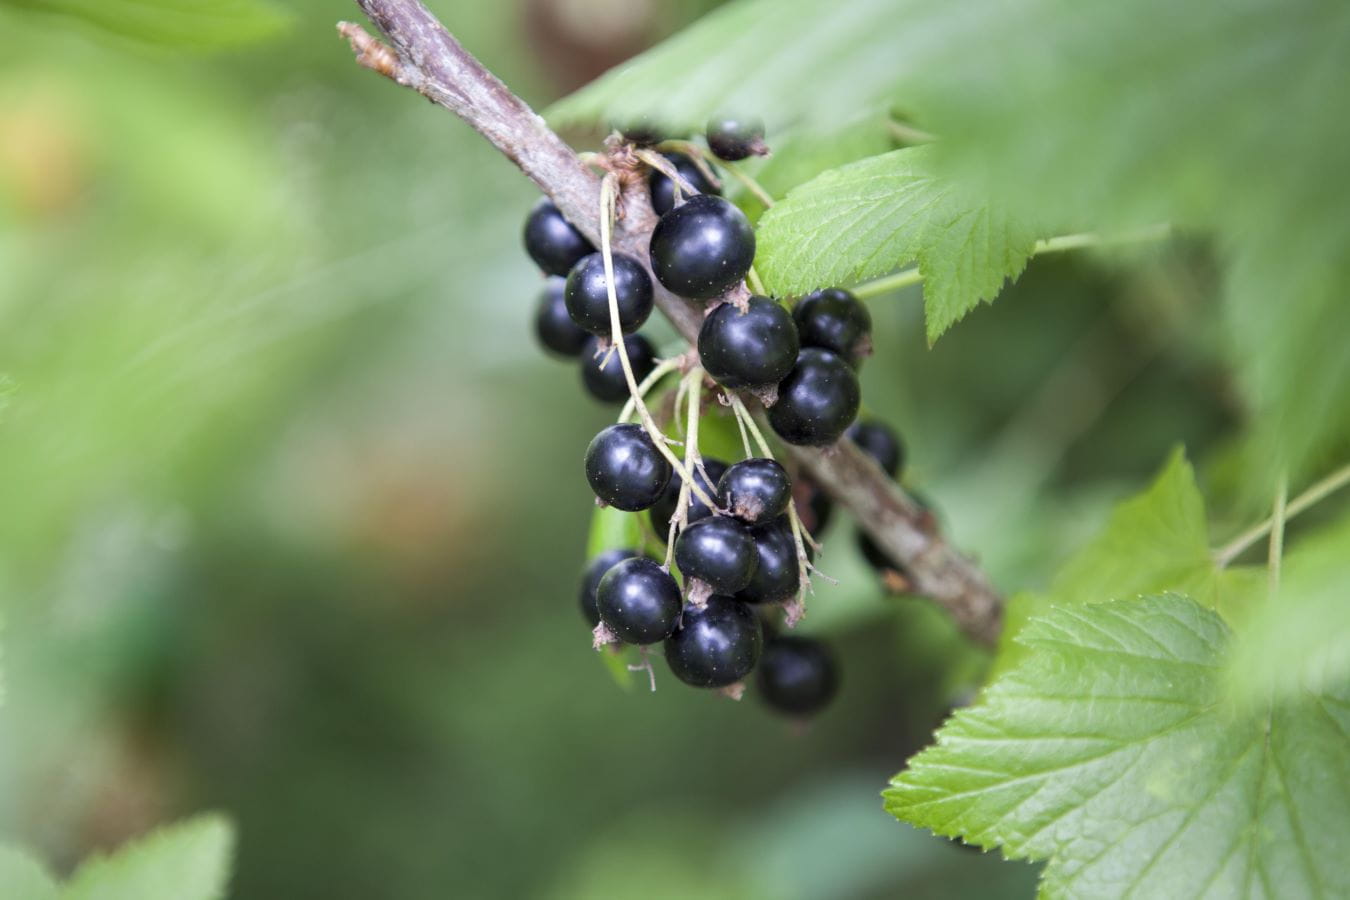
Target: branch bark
{"type": "Point", "coordinates": [424, 56]}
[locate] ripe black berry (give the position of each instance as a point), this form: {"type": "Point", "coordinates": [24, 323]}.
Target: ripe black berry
{"type": "Point", "coordinates": [702, 248]}
{"type": "Point", "coordinates": [797, 675]}
{"type": "Point", "coordinates": [718, 552]}
{"type": "Point", "coordinates": [625, 469]}
{"type": "Point", "coordinates": [663, 189]}
{"type": "Point", "coordinates": [777, 576]}
{"type": "Point", "coordinates": [817, 401]}
{"type": "Point", "coordinates": [731, 138]}
{"type": "Point", "coordinates": [755, 348]}
{"type": "Point", "coordinates": [639, 601]}
{"type": "Point", "coordinates": [879, 441]}
{"type": "Point", "coordinates": [755, 490]}
{"type": "Point", "coordinates": [590, 579]}
{"type": "Point", "coordinates": [835, 320]}
{"type": "Point", "coordinates": [715, 646]}
{"type": "Point", "coordinates": [552, 324]}
{"type": "Point", "coordinates": [606, 383]}
{"type": "Point", "coordinates": [552, 242]}
{"type": "Point", "coordinates": [587, 294]}
{"type": "Point", "coordinates": [664, 508]}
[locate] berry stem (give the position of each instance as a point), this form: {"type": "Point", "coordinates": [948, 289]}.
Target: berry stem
{"type": "Point", "coordinates": [680, 520]}
{"type": "Point", "coordinates": [607, 192]}
{"type": "Point", "coordinates": [700, 158]}
{"type": "Point", "coordinates": [1311, 497]}
{"type": "Point", "coordinates": [663, 368]}
{"type": "Point", "coordinates": [755, 284]}
{"type": "Point", "coordinates": [683, 189]}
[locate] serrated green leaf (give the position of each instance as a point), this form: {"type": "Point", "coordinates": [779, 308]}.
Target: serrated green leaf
{"type": "Point", "coordinates": [24, 878]}
{"type": "Point", "coordinates": [180, 23]}
{"type": "Point", "coordinates": [876, 215]}
{"type": "Point", "coordinates": [1111, 753]}
{"type": "Point", "coordinates": [185, 861]}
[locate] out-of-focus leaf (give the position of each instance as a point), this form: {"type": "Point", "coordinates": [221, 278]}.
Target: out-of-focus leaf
{"type": "Point", "coordinates": [878, 214]}
{"type": "Point", "coordinates": [24, 878]}
{"type": "Point", "coordinates": [612, 529]}
{"type": "Point", "coordinates": [186, 861]}
{"type": "Point", "coordinates": [200, 24]}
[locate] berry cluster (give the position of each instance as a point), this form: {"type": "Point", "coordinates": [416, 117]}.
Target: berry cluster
{"type": "Point", "coordinates": [737, 535]}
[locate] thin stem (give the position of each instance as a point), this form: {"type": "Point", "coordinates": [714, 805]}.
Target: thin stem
{"type": "Point", "coordinates": [745, 435]}
{"type": "Point", "coordinates": [908, 134]}
{"type": "Point", "coordinates": [662, 165]}
{"type": "Point", "coordinates": [751, 185]}
{"type": "Point", "coordinates": [663, 368]}
{"type": "Point", "coordinates": [1311, 497]}
{"type": "Point", "coordinates": [680, 520]}
{"type": "Point", "coordinates": [616, 330]}
{"type": "Point", "coordinates": [755, 284]}
{"type": "Point", "coordinates": [1276, 553]}
{"type": "Point", "coordinates": [700, 158]}
{"type": "Point", "coordinates": [695, 153]}
{"type": "Point", "coordinates": [887, 283]}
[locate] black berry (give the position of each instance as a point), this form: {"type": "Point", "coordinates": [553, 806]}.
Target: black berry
{"type": "Point", "coordinates": [797, 675]}
{"type": "Point", "coordinates": [664, 508]}
{"type": "Point", "coordinates": [755, 348]}
{"type": "Point", "coordinates": [719, 552]}
{"type": "Point", "coordinates": [552, 242]}
{"type": "Point", "coordinates": [625, 469]}
{"type": "Point", "coordinates": [606, 383]}
{"type": "Point", "coordinates": [778, 575]}
{"type": "Point", "coordinates": [879, 441]}
{"type": "Point", "coordinates": [817, 401]}
{"type": "Point", "coordinates": [590, 579]}
{"type": "Point", "coordinates": [835, 320]}
{"type": "Point", "coordinates": [642, 131]}
{"type": "Point", "coordinates": [639, 601]}
{"type": "Point", "coordinates": [732, 138]}
{"type": "Point", "coordinates": [663, 189]}
{"type": "Point", "coordinates": [552, 324]}
{"type": "Point", "coordinates": [702, 248]}
{"type": "Point", "coordinates": [587, 294]}
{"type": "Point", "coordinates": [876, 557]}
{"type": "Point", "coordinates": [755, 490]}
{"type": "Point", "coordinates": [715, 646]}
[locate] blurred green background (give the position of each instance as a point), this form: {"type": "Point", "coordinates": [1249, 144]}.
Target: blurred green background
{"type": "Point", "coordinates": [293, 505]}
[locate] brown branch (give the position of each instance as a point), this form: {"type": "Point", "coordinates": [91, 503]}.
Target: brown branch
{"type": "Point", "coordinates": [426, 58]}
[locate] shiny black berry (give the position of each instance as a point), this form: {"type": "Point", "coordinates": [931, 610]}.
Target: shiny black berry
{"type": "Point", "coordinates": [797, 675]}
{"type": "Point", "coordinates": [552, 242]}
{"type": "Point", "coordinates": [755, 490]}
{"type": "Point", "coordinates": [552, 324]}
{"type": "Point", "coordinates": [817, 401]}
{"type": "Point", "coordinates": [702, 248]}
{"type": "Point", "coordinates": [590, 579]}
{"type": "Point", "coordinates": [639, 601]}
{"type": "Point", "coordinates": [755, 348]}
{"type": "Point", "coordinates": [625, 469]}
{"type": "Point", "coordinates": [715, 646]}
{"type": "Point", "coordinates": [733, 138]}
{"type": "Point", "coordinates": [606, 383]}
{"type": "Point", "coordinates": [663, 189]}
{"type": "Point", "coordinates": [777, 575]}
{"type": "Point", "coordinates": [587, 294]}
{"type": "Point", "coordinates": [835, 320]}
{"type": "Point", "coordinates": [719, 552]}
{"type": "Point", "coordinates": [664, 509]}
{"type": "Point", "coordinates": [879, 441]}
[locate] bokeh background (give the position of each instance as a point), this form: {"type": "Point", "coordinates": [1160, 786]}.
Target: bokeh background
{"type": "Point", "coordinates": [292, 513]}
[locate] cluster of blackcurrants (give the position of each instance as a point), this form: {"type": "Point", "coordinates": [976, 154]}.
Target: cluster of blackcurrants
{"type": "Point", "coordinates": [743, 554]}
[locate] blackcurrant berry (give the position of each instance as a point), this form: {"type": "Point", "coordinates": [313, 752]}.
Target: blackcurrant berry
{"type": "Point", "coordinates": [590, 579]}
{"type": "Point", "coordinates": [797, 675]}
{"type": "Point", "coordinates": [552, 242]}
{"type": "Point", "coordinates": [777, 576]}
{"type": "Point", "coordinates": [879, 441]}
{"type": "Point", "coordinates": [715, 646]}
{"type": "Point", "coordinates": [606, 383]}
{"type": "Point", "coordinates": [664, 510]}
{"type": "Point", "coordinates": [733, 138]}
{"type": "Point", "coordinates": [717, 551]}
{"type": "Point", "coordinates": [817, 401]}
{"type": "Point", "coordinates": [625, 469]}
{"type": "Point", "coordinates": [587, 294]}
{"type": "Point", "coordinates": [835, 320]}
{"type": "Point", "coordinates": [552, 324]}
{"type": "Point", "coordinates": [876, 557]}
{"type": "Point", "coordinates": [755, 348]}
{"type": "Point", "coordinates": [702, 248]}
{"type": "Point", "coordinates": [755, 490]}
{"type": "Point", "coordinates": [639, 601]}
{"type": "Point", "coordinates": [814, 506]}
{"type": "Point", "coordinates": [663, 189]}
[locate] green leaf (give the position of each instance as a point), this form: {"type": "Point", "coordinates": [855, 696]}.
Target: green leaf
{"type": "Point", "coordinates": [23, 877]}
{"type": "Point", "coordinates": [199, 24]}
{"type": "Point", "coordinates": [186, 861]}
{"type": "Point", "coordinates": [879, 214]}
{"type": "Point", "coordinates": [612, 529]}
{"type": "Point", "coordinates": [1111, 753]}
